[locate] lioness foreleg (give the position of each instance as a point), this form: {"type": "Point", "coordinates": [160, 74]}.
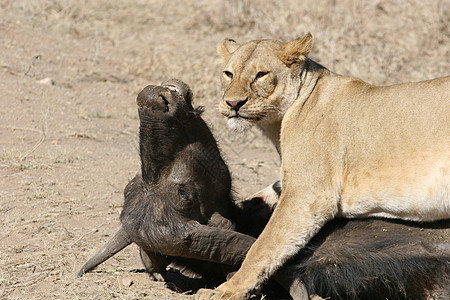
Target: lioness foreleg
{"type": "Point", "coordinates": [296, 219]}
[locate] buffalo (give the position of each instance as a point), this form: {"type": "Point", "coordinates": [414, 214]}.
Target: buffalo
{"type": "Point", "coordinates": [180, 209]}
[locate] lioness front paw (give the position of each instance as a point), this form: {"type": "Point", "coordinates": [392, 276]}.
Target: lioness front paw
{"type": "Point", "coordinates": [207, 294]}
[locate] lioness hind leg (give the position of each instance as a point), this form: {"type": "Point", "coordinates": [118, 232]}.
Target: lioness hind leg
{"type": "Point", "coordinates": [294, 286]}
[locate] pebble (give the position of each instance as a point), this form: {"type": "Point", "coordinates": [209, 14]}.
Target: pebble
{"type": "Point", "coordinates": [46, 81]}
{"type": "Point", "coordinates": [127, 282]}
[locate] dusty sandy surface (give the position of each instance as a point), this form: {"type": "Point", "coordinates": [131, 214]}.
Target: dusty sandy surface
{"type": "Point", "coordinates": [69, 75]}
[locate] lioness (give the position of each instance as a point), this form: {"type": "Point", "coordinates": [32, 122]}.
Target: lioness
{"type": "Point", "coordinates": [348, 148]}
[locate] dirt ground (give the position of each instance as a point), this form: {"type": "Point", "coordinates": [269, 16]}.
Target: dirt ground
{"type": "Point", "coordinates": [70, 73]}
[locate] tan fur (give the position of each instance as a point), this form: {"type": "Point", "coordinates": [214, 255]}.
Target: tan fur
{"type": "Point", "coordinates": [348, 148]}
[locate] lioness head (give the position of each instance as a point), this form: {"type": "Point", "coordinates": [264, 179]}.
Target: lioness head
{"type": "Point", "coordinates": [260, 79]}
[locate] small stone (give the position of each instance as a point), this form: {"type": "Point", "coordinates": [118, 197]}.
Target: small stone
{"type": "Point", "coordinates": [46, 81]}
{"type": "Point", "coordinates": [127, 282]}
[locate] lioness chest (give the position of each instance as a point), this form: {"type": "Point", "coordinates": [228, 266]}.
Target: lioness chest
{"type": "Point", "coordinates": [375, 151]}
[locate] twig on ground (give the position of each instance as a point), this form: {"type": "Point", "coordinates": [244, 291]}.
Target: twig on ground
{"type": "Point", "coordinates": [76, 296]}
{"type": "Point", "coordinates": [22, 128]}
{"type": "Point", "coordinates": [86, 234]}
{"type": "Point", "coordinates": [43, 131]}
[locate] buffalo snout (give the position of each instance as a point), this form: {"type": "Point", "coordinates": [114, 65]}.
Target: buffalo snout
{"type": "Point", "coordinates": [173, 97]}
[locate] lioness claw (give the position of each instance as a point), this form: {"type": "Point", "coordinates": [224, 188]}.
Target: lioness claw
{"type": "Point", "coordinates": [208, 294]}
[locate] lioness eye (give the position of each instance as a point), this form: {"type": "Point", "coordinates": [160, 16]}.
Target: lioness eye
{"type": "Point", "coordinates": [260, 75]}
{"type": "Point", "coordinates": [228, 74]}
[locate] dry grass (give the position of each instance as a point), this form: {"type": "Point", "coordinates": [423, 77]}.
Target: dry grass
{"type": "Point", "coordinates": [68, 149]}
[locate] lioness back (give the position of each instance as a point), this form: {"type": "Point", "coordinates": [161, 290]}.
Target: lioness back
{"type": "Point", "coordinates": [390, 144]}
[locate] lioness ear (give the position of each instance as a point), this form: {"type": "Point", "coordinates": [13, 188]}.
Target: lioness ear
{"type": "Point", "coordinates": [296, 51]}
{"type": "Point", "coordinates": [227, 48]}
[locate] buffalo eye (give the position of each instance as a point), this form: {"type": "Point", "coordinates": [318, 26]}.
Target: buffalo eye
{"type": "Point", "coordinates": [228, 74]}
{"type": "Point", "coordinates": [261, 75]}
{"type": "Point", "coordinates": [186, 195]}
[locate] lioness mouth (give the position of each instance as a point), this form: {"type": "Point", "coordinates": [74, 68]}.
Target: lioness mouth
{"type": "Point", "coordinates": [245, 118]}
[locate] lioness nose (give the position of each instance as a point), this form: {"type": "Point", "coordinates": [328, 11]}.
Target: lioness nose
{"type": "Point", "coordinates": [236, 104]}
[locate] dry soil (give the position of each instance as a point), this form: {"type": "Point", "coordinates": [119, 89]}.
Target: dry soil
{"type": "Point", "coordinates": [70, 71]}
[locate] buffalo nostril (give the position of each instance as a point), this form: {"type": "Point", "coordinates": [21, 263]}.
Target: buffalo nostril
{"type": "Point", "coordinates": [236, 104]}
{"type": "Point", "coordinates": [159, 103]}
{"type": "Point", "coordinates": [163, 103]}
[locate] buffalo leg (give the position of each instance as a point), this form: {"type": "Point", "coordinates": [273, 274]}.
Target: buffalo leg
{"type": "Point", "coordinates": [154, 263]}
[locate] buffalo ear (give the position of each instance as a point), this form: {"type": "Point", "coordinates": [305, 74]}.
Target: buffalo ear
{"type": "Point", "coordinates": [227, 48]}
{"type": "Point", "coordinates": [295, 52]}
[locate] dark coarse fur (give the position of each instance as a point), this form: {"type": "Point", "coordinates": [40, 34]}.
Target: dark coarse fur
{"type": "Point", "coordinates": [377, 259]}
